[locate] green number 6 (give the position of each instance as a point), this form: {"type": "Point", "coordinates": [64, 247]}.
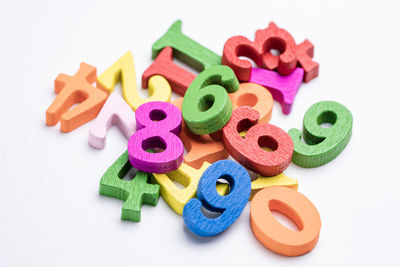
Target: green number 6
{"type": "Point", "coordinates": [206, 106]}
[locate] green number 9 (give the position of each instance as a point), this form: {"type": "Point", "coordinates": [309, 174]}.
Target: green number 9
{"type": "Point", "coordinates": [322, 144]}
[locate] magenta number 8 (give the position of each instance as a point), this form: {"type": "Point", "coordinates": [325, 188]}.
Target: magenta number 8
{"type": "Point", "coordinates": [158, 125]}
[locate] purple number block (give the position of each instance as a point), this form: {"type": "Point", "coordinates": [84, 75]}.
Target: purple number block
{"type": "Point", "coordinates": [282, 88]}
{"type": "Point", "coordinates": [158, 125]}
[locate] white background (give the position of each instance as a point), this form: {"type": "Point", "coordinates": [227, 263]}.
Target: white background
{"type": "Point", "coordinates": [50, 211]}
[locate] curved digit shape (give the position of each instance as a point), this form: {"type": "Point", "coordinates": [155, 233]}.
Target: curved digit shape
{"type": "Point", "coordinates": [159, 90]}
{"type": "Point", "coordinates": [240, 46]}
{"type": "Point", "coordinates": [230, 206]}
{"type": "Point", "coordinates": [278, 38]}
{"type": "Point", "coordinates": [322, 144]}
{"type": "Point", "coordinates": [272, 234]}
{"type": "Point", "coordinates": [187, 176]}
{"type": "Point", "coordinates": [251, 95]}
{"type": "Point", "coordinates": [114, 112]}
{"type": "Point", "coordinates": [158, 126]}
{"type": "Point", "coordinates": [305, 53]}
{"type": "Point", "coordinates": [255, 96]}
{"type": "Point", "coordinates": [259, 51]}
{"type": "Point", "coordinates": [248, 152]}
{"type": "Point", "coordinates": [123, 70]}
{"type": "Point", "coordinates": [206, 106]}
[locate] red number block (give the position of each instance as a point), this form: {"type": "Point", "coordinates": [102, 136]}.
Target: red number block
{"type": "Point", "coordinates": [304, 54]}
{"type": "Point", "coordinates": [272, 37]}
{"type": "Point", "coordinates": [248, 150]}
{"type": "Point", "coordinates": [259, 51]}
{"type": "Point", "coordinates": [163, 65]}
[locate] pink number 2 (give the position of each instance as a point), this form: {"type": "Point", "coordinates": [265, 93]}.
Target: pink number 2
{"type": "Point", "coordinates": [158, 125]}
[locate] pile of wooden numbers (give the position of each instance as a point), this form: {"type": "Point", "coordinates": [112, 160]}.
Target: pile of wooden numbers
{"type": "Point", "coordinates": [224, 111]}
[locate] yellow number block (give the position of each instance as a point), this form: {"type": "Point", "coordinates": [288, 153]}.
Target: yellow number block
{"type": "Point", "coordinates": [262, 182]}
{"type": "Point", "coordinates": [123, 71]}
{"type": "Point", "coordinates": [189, 177]}
{"type": "Point", "coordinates": [278, 180]}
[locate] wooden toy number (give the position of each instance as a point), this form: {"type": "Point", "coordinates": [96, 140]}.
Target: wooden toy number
{"type": "Point", "coordinates": [248, 150]}
{"type": "Point", "coordinates": [272, 234]}
{"type": "Point", "coordinates": [230, 206]}
{"type": "Point", "coordinates": [322, 144]}
{"type": "Point", "coordinates": [134, 192]}
{"type": "Point", "coordinates": [158, 126]}
{"type": "Point", "coordinates": [255, 96]}
{"type": "Point", "coordinates": [206, 106]}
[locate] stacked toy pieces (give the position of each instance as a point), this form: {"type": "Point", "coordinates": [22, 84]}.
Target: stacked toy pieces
{"type": "Point", "coordinates": [225, 111]}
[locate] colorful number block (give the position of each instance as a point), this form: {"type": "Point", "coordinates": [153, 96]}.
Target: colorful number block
{"type": "Point", "coordinates": [123, 71]}
{"type": "Point", "coordinates": [163, 65]}
{"type": "Point", "coordinates": [255, 96]}
{"type": "Point", "coordinates": [305, 53]}
{"type": "Point", "coordinates": [282, 88]}
{"type": "Point", "coordinates": [277, 38]}
{"type": "Point", "coordinates": [248, 150]}
{"type": "Point", "coordinates": [134, 192]}
{"type": "Point", "coordinates": [187, 176]}
{"type": "Point", "coordinates": [230, 206]}
{"type": "Point", "coordinates": [114, 112]}
{"type": "Point", "coordinates": [187, 50]}
{"type": "Point", "coordinates": [259, 51]}
{"type": "Point", "coordinates": [206, 106]}
{"type": "Point", "coordinates": [272, 234]}
{"type": "Point", "coordinates": [72, 90]}
{"type": "Point", "coordinates": [322, 144]}
{"type": "Point", "coordinates": [158, 126]}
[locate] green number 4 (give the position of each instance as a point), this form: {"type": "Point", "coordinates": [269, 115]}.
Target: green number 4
{"type": "Point", "coordinates": [134, 192]}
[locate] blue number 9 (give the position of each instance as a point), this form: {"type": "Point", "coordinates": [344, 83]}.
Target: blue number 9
{"type": "Point", "coordinates": [230, 206]}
